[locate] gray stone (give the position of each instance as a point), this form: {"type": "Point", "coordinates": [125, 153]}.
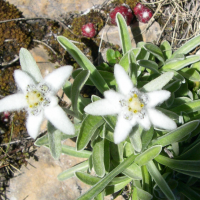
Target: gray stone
{"type": "Point", "coordinates": [52, 8]}
{"type": "Point", "coordinates": [137, 33]}
{"type": "Point", "coordinates": [38, 181]}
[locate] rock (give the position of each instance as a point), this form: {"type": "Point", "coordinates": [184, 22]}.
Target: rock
{"type": "Point", "coordinates": [52, 8]}
{"type": "Point", "coordinates": [38, 181]}
{"type": "Point", "coordinates": [136, 31]}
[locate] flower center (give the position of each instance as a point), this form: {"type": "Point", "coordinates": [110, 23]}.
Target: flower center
{"type": "Point", "coordinates": [134, 104]}
{"type": "Point", "coordinates": [36, 98]}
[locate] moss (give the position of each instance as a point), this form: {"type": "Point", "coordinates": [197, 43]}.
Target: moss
{"type": "Point", "coordinates": [92, 17]}
{"type": "Point", "coordinates": [12, 37]}
{"type": "Point", "coordinates": [7, 83]}
{"type": "Point", "coordinates": [7, 87]}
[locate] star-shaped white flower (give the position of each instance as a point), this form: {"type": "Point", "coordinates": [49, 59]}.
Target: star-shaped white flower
{"type": "Point", "coordinates": [132, 107]}
{"type": "Point", "coordinates": [39, 100]}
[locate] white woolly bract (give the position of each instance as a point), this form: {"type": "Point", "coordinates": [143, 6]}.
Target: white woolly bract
{"type": "Point", "coordinates": [58, 77]}
{"type": "Point", "coordinates": [33, 124]}
{"type": "Point", "coordinates": [13, 102]}
{"type": "Point", "coordinates": [122, 129]}
{"type": "Point", "coordinates": [157, 97]}
{"type": "Point", "coordinates": [59, 119]}
{"type": "Point", "coordinates": [160, 120]}
{"type": "Point", "coordinates": [123, 80]}
{"type": "Point", "coordinates": [23, 80]}
{"type": "Point", "coordinates": [101, 107]}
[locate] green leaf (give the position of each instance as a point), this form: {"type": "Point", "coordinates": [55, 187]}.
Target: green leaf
{"type": "Point", "coordinates": [92, 180]}
{"type": "Point", "coordinates": [149, 65]}
{"type": "Point", "coordinates": [173, 86]}
{"type": "Point", "coordinates": [124, 62]}
{"type": "Point", "coordinates": [160, 181]}
{"type": "Point", "coordinates": [158, 83]}
{"type": "Point", "coordinates": [190, 74]}
{"type": "Point", "coordinates": [175, 59]}
{"type": "Point", "coordinates": [107, 155]}
{"type": "Point", "coordinates": [88, 128]}
{"type": "Point", "coordinates": [170, 101]}
{"type": "Point", "coordinates": [123, 33]}
{"type": "Point", "coordinates": [153, 49]}
{"type": "Point", "coordinates": [146, 179]}
{"type": "Point", "coordinates": [97, 188]}
{"type": "Point", "coordinates": [100, 196]}
{"type": "Point", "coordinates": [146, 137]}
{"type": "Point", "coordinates": [181, 100]}
{"type": "Point", "coordinates": [70, 172]}
{"type": "Point", "coordinates": [109, 134]}
{"type": "Point", "coordinates": [108, 77]}
{"type": "Point", "coordinates": [187, 191]}
{"type": "Point", "coordinates": [42, 140]}
{"type": "Point", "coordinates": [133, 171]}
{"type": "Point", "coordinates": [98, 157]}
{"type": "Point", "coordinates": [188, 46]}
{"type": "Point", "coordinates": [84, 62]}
{"type": "Point", "coordinates": [111, 121]}
{"type": "Point", "coordinates": [135, 138]}
{"type": "Point", "coordinates": [110, 55]}
{"type": "Point", "coordinates": [143, 54]}
{"type": "Point", "coordinates": [186, 165]}
{"type": "Point", "coordinates": [134, 195]}
{"type": "Point", "coordinates": [76, 87]}
{"type": "Point", "coordinates": [54, 137]}
{"type": "Point", "coordinates": [148, 155]}
{"type": "Point", "coordinates": [116, 151]}
{"type": "Point", "coordinates": [67, 89]}
{"type": "Point", "coordinates": [73, 152]}
{"type": "Point", "coordinates": [189, 173]}
{"type": "Point", "coordinates": [181, 63]}
{"type": "Point", "coordinates": [189, 107]}
{"type": "Point", "coordinates": [133, 67]}
{"type": "Point", "coordinates": [136, 51]}
{"type": "Point", "coordinates": [90, 163]}
{"type": "Point", "coordinates": [29, 65]}
{"type": "Point", "coordinates": [70, 112]}
{"type": "Point", "coordinates": [177, 134]}
{"type": "Point", "coordinates": [128, 149]}
{"type": "Point", "coordinates": [191, 154]}
{"type": "Point", "coordinates": [166, 49]}
{"type": "Point", "coordinates": [115, 188]}
{"type": "Point", "coordinates": [143, 194]}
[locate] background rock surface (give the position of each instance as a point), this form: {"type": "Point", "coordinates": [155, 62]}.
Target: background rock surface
{"type": "Point", "coordinates": [52, 8]}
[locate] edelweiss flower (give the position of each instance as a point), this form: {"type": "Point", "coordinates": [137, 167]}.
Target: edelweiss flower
{"type": "Point", "coordinates": [40, 100]}
{"type": "Point", "coordinates": [132, 107]}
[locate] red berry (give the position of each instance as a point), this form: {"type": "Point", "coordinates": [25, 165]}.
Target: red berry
{"type": "Point", "coordinates": [126, 13]}
{"type": "Point", "coordinates": [88, 30]}
{"type": "Point", "coordinates": [144, 15]}
{"type": "Point", "coordinates": [138, 8]}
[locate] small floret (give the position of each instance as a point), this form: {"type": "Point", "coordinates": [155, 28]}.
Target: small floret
{"type": "Point", "coordinates": [126, 13]}
{"type": "Point", "coordinates": [88, 30]}
{"type": "Point", "coordinates": [138, 8]}
{"type": "Point", "coordinates": [144, 15]}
